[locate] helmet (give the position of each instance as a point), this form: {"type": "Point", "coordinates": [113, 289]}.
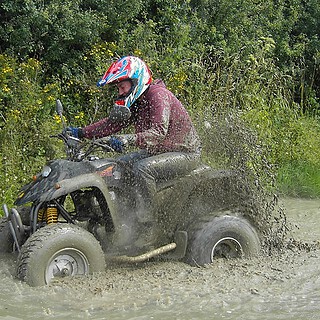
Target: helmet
{"type": "Point", "coordinates": [128, 68]}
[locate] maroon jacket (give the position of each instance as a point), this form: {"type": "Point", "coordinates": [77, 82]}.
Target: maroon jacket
{"type": "Point", "coordinates": [161, 123]}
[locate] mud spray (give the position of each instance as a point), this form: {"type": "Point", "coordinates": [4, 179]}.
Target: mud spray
{"type": "Point", "coordinates": [233, 145]}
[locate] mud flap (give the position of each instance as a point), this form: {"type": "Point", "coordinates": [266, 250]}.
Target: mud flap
{"type": "Point", "coordinates": [181, 240]}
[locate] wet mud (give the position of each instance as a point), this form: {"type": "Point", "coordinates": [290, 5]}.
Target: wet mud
{"type": "Point", "coordinates": [284, 285]}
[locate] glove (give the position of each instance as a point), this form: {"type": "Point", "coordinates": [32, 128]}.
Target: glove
{"type": "Point", "coordinates": [117, 144]}
{"type": "Point", "coordinates": [74, 132]}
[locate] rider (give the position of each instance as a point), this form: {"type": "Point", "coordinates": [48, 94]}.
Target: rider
{"type": "Point", "coordinates": [164, 133]}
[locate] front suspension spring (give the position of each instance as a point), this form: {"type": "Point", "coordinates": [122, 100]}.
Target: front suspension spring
{"type": "Point", "coordinates": [42, 214]}
{"type": "Point", "coordinates": [51, 214]}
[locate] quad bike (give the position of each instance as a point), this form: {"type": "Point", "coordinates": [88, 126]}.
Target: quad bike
{"type": "Point", "coordinates": [80, 213]}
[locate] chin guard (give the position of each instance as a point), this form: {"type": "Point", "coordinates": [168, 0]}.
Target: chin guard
{"type": "Point", "coordinates": [119, 113]}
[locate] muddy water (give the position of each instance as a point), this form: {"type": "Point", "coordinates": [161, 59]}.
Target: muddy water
{"type": "Point", "coordinates": [284, 286]}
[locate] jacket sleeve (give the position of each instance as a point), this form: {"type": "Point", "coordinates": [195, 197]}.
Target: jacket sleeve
{"type": "Point", "coordinates": [103, 128]}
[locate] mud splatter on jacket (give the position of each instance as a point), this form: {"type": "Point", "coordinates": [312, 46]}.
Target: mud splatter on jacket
{"type": "Point", "coordinates": [161, 123]}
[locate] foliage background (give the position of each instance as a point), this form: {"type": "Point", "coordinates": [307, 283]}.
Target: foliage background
{"type": "Point", "coordinates": [242, 68]}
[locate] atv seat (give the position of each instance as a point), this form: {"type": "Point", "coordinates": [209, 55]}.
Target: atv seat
{"type": "Point", "coordinates": [100, 164]}
{"type": "Point", "coordinates": [164, 184]}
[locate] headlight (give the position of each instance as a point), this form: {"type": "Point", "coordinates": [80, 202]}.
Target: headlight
{"type": "Point", "coordinates": [45, 171]}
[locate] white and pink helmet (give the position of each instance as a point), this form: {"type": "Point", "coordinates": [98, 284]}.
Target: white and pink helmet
{"type": "Point", "coordinates": [128, 68]}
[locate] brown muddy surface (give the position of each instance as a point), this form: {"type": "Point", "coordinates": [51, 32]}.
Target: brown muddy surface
{"type": "Point", "coordinates": [285, 285]}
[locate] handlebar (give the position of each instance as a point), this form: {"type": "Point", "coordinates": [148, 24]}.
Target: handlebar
{"type": "Point", "coordinates": [78, 150]}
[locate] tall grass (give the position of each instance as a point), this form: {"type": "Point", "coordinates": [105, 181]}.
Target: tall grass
{"type": "Point", "coordinates": [299, 179]}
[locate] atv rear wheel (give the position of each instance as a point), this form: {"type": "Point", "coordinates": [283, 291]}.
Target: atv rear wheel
{"type": "Point", "coordinates": [59, 250]}
{"type": "Point", "coordinates": [223, 236]}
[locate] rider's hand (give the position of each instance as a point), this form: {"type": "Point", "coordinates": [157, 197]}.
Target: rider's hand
{"type": "Point", "coordinates": [74, 132]}
{"type": "Point", "coordinates": [117, 144]}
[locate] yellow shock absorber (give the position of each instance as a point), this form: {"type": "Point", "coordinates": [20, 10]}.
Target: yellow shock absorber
{"type": "Point", "coordinates": [41, 215]}
{"type": "Point", "coordinates": [52, 214]}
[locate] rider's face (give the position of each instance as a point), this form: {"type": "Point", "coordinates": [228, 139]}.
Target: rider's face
{"type": "Point", "coordinates": [123, 88]}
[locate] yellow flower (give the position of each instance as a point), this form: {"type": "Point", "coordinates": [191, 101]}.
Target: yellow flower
{"type": "Point", "coordinates": [7, 70]}
{"type": "Point", "coordinates": [110, 53]}
{"type": "Point", "coordinates": [16, 114]}
{"type": "Point", "coordinates": [137, 52]}
{"type": "Point", "coordinates": [80, 115]}
{"type": "Point", "coordinates": [6, 89]}
{"type": "Point", "coordinates": [57, 119]}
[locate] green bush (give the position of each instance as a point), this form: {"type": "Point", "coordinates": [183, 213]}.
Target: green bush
{"type": "Point", "coordinates": [27, 119]}
{"type": "Point", "coordinates": [242, 69]}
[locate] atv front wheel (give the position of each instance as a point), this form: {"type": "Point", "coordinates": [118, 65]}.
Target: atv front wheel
{"type": "Point", "coordinates": [223, 236]}
{"type": "Point", "coordinates": [59, 250]}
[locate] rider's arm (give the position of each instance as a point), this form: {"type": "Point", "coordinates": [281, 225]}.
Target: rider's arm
{"type": "Point", "coordinates": [103, 128]}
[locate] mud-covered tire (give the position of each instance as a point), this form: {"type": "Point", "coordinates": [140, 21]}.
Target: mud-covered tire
{"type": "Point", "coordinates": [223, 236]}
{"type": "Point", "coordinates": [59, 250]}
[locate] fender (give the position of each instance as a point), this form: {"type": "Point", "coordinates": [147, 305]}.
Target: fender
{"type": "Point", "coordinates": [58, 170]}
{"type": "Point", "coordinates": [67, 186]}
{"type": "Point", "coordinates": [212, 189]}
{"type": "Point", "coordinates": [210, 178]}
{"type": "Point", "coordinates": [88, 180]}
